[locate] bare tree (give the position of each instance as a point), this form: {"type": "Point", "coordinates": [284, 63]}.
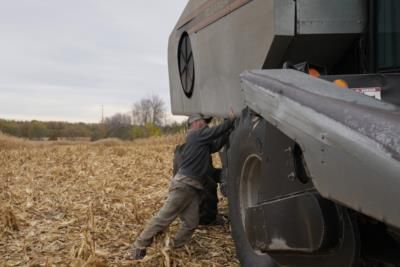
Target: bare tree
{"type": "Point", "coordinates": [158, 109]}
{"type": "Point", "coordinates": [119, 125]}
{"type": "Point", "coordinates": [118, 120]}
{"type": "Point", "coordinates": [137, 114]}
{"type": "Point", "coordinates": [141, 112]}
{"type": "Point", "coordinates": [148, 110]}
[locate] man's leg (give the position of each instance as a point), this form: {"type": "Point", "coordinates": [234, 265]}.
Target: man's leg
{"type": "Point", "coordinates": [190, 219]}
{"type": "Point", "coordinates": [175, 203]}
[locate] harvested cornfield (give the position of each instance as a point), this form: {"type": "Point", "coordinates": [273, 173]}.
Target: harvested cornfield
{"type": "Point", "coordinates": [83, 204]}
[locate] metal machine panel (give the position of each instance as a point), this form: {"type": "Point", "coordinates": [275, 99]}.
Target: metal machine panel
{"type": "Point", "coordinates": [331, 17]}
{"type": "Point", "coordinates": [230, 36]}
{"type": "Point", "coordinates": [284, 14]}
{"type": "Point", "coordinates": [223, 49]}
{"type": "Point", "coordinates": [351, 142]}
{"type": "Point", "coordinates": [296, 223]}
{"type": "Point", "coordinates": [191, 9]}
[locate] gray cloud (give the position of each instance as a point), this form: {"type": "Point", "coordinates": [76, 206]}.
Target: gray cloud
{"type": "Point", "coordinates": [62, 60]}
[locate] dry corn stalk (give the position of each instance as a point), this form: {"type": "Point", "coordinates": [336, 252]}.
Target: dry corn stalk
{"type": "Point", "coordinates": [81, 204]}
{"type": "Point", "coordinates": [8, 221]}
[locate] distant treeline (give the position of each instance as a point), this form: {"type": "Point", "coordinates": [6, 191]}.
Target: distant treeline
{"type": "Point", "coordinates": [63, 130]}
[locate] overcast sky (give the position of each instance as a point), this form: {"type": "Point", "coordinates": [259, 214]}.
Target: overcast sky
{"type": "Point", "coordinates": [63, 59]}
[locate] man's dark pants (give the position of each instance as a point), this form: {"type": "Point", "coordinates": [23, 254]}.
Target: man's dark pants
{"type": "Point", "coordinates": [183, 201]}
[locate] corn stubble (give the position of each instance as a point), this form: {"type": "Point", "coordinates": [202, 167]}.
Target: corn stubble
{"type": "Point", "coordinates": [82, 204]}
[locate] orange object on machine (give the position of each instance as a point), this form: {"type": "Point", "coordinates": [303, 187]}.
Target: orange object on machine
{"type": "Point", "coordinates": [341, 83]}
{"type": "Point", "coordinates": [314, 72]}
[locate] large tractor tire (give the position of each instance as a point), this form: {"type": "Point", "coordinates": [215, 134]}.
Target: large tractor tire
{"type": "Point", "coordinates": [277, 217]}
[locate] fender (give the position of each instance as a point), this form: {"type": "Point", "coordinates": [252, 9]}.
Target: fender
{"type": "Point", "coordinates": [351, 142]}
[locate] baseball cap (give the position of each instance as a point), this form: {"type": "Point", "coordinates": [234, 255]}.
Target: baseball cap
{"type": "Point", "coordinates": [194, 117]}
{"type": "Point", "coordinates": [208, 119]}
{"type": "Point", "coordinates": [197, 116]}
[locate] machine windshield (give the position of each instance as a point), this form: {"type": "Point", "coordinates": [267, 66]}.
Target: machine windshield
{"type": "Point", "coordinates": [388, 35]}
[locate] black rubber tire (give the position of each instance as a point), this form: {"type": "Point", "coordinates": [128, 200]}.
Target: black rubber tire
{"type": "Point", "coordinates": [242, 144]}
{"type": "Point", "coordinates": [249, 138]}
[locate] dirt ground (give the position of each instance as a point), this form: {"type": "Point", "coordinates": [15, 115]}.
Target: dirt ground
{"type": "Point", "coordinates": [82, 204]}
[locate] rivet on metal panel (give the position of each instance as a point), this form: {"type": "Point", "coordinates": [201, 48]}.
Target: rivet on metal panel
{"type": "Point", "coordinates": [259, 146]}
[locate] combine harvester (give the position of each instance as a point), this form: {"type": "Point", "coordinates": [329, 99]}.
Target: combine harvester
{"type": "Point", "coordinates": [314, 162]}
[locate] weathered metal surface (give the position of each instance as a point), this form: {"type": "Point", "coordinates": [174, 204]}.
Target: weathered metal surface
{"type": "Point", "coordinates": [296, 223]}
{"type": "Point", "coordinates": [221, 52]}
{"type": "Point", "coordinates": [210, 12]}
{"type": "Point", "coordinates": [351, 142]}
{"type": "Point", "coordinates": [230, 36]}
{"type": "Point", "coordinates": [330, 17]}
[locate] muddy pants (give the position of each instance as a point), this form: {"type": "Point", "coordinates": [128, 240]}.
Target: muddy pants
{"type": "Point", "coordinates": [182, 201]}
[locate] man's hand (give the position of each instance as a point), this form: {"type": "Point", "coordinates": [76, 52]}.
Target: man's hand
{"type": "Point", "coordinates": [232, 115]}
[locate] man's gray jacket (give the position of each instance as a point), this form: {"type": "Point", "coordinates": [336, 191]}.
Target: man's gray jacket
{"type": "Point", "coordinates": [200, 144]}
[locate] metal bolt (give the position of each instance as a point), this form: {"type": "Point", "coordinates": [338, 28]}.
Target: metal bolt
{"type": "Point", "coordinates": [292, 176]}
{"type": "Point", "coordinates": [288, 150]}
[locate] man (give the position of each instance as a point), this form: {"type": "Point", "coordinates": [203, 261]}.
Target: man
{"type": "Point", "coordinates": [208, 208]}
{"type": "Point", "coordinates": [184, 198]}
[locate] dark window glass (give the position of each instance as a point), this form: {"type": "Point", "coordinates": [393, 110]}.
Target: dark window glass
{"type": "Point", "coordinates": [388, 36]}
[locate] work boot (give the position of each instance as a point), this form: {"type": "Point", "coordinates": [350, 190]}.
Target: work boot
{"type": "Point", "coordinates": [219, 220]}
{"type": "Point", "coordinates": [136, 253]}
{"type": "Point", "coordinates": [177, 244]}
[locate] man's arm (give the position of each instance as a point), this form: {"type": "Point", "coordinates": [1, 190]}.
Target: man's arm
{"type": "Point", "coordinates": [208, 135]}
{"type": "Point", "coordinates": [220, 142]}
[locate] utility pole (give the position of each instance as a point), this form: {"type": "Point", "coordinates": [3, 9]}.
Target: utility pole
{"type": "Point", "coordinates": [102, 114]}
